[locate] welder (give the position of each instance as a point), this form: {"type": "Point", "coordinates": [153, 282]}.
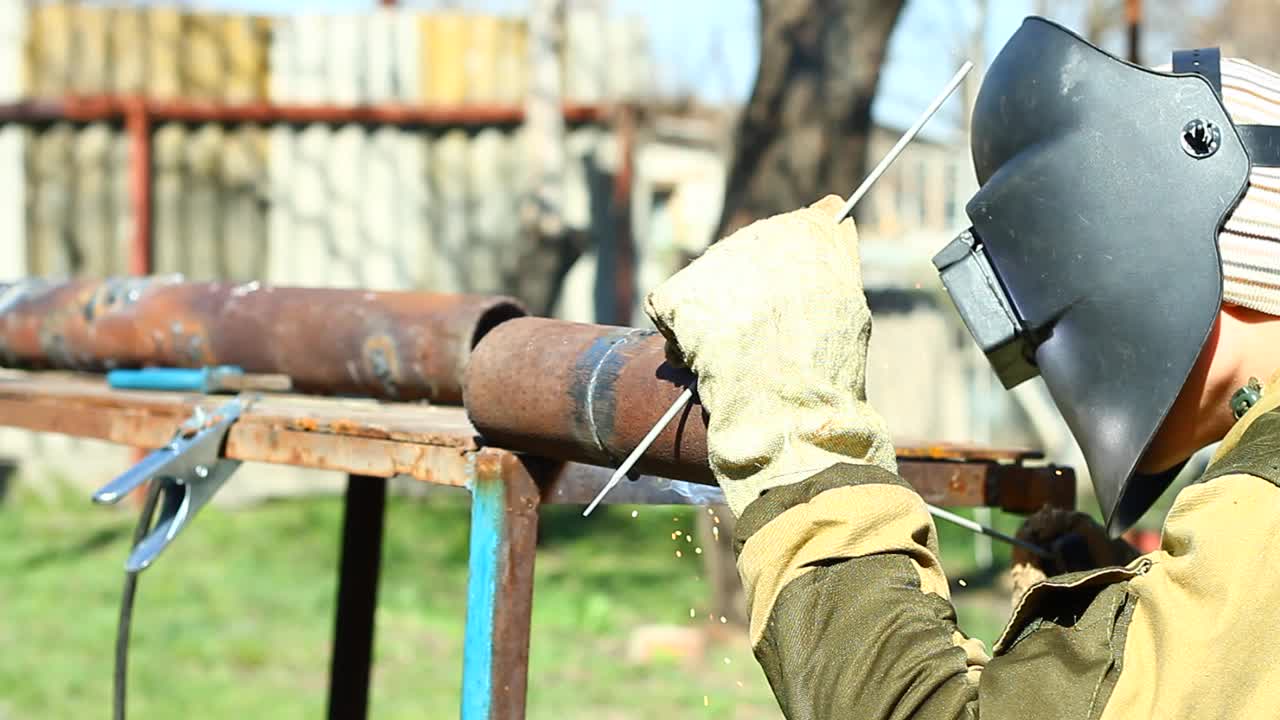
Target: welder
{"type": "Point", "coordinates": [1125, 247]}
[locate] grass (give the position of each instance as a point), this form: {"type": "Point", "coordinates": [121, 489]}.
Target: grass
{"type": "Point", "coordinates": [235, 619]}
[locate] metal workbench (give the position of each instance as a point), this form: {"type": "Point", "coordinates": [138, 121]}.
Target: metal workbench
{"type": "Point", "coordinates": [372, 441]}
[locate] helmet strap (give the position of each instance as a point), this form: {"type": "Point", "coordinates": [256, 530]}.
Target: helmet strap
{"type": "Point", "coordinates": [1261, 142]}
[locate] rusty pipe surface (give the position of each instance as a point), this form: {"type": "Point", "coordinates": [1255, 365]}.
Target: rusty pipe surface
{"type": "Point", "coordinates": [392, 345]}
{"type": "Point", "coordinates": [587, 393]}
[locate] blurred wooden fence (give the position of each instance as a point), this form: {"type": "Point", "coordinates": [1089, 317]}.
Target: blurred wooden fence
{"type": "Point", "coordinates": [351, 205]}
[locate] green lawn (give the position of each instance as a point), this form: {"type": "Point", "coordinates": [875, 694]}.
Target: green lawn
{"type": "Point", "coordinates": [235, 619]}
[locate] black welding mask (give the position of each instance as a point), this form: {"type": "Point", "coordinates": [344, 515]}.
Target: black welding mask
{"type": "Point", "coordinates": [1093, 259]}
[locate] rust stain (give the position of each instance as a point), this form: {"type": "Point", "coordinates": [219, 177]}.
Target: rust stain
{"type": "Point", "coordinates": [381, 362]}
{"type": "Point", "coordinates": [489, 464]}
{"type": "Point", "coordinates": [345, 427]}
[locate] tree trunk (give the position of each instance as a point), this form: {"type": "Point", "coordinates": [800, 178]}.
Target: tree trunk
{"type": "Point", "coordinates": [804, 132]}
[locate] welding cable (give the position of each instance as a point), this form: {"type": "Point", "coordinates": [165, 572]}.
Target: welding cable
{"type": "Point", "coordinates": [121, 675]}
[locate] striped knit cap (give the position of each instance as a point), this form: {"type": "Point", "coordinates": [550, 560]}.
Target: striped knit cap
{"type": "Point", "coordinates": [1250, 241]}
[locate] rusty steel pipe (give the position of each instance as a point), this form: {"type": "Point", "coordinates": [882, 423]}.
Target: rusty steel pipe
{"type": "Point", "coordinates": [586, 393]}
{"type": "Point", "coordinates": [590, 393]}
{"type": "Point", "coordinates": [392, 345]}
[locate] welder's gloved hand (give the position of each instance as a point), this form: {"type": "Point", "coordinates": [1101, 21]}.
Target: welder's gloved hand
{"type": "Point", "coordinates": [1075, 541]}
{"type": "Point", "coordinates": [774, 322]}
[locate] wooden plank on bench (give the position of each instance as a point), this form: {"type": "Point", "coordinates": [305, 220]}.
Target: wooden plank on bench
{"type": "Point", "coordinates": [362, 437]}
{"type": "Point", "coordinates": [432, 443]}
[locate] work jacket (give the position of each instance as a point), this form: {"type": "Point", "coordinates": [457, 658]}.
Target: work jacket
{"type": "Point", "coordinates": [851, 616]}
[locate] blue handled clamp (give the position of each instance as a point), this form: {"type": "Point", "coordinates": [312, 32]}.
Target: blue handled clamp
{"type": "Point", "coordinates": [212, 379]}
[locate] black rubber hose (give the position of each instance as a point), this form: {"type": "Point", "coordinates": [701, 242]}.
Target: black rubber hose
{"type": "Point", "coordinates": [121, 675]}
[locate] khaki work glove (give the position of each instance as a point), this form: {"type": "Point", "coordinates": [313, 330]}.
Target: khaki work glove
{"type": "Point", "coordinates": [774, 322]}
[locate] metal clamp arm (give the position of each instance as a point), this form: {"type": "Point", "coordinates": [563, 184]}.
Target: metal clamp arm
{"type": "Point", "coordinates": [189, 470]}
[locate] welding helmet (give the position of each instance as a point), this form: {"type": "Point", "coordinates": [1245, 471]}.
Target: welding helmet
{"type": "Point", "coordinates": [1093, 259]}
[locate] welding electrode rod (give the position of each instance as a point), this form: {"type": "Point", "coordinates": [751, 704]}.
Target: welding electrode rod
{"type": "Point", "coordinates": [631, 460]}
{"type": "Point", "coordinates": [893, 154]}
{"type": "Point", "coordinates": [984, 530]}
{"type": "Point", "coordinates": [905, 140]}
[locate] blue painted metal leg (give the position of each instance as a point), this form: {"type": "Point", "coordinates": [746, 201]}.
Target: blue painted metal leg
{"type": "Point", "coordinates": [504, 528]}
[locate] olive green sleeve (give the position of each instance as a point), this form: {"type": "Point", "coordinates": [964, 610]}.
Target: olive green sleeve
{"type": "Point", "coordinates": [851, 614]}
{"type": "Point", "coordinates": [850, 611]}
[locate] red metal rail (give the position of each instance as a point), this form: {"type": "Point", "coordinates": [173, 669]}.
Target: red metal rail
{"type": "Point", "coordinates": [91, 108]}
{"type": "Point", "coordinates": [137, 122]}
